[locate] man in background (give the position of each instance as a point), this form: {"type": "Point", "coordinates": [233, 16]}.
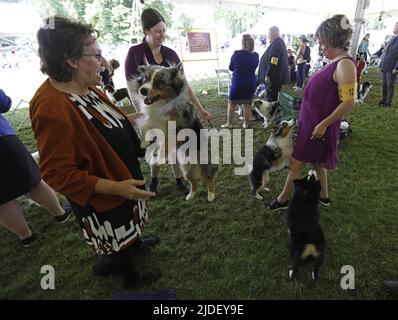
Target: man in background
{"type": "Point", "coordinates": [389, 69]}
{"type": "Point", "coordinates": [273, 69]}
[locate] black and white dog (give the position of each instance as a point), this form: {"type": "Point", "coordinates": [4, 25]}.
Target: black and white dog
{"type": "Point", "coordinates": [267, 110]}
{"type": "Point", "coordinates": [306, 235]}
{"type": "Point", "coordinates": [363, 91]}
{"type": "Point", "coordinates": [272, 156]}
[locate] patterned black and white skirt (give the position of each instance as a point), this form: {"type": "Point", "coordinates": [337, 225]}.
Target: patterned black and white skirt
{"type": "Point", "coordinates": [113, 230]}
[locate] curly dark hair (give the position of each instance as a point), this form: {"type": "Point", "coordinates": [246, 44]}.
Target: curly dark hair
{"type": "Point", "coordinates": [61, 39]}
{"type": "Point", "coordinates": [335, 31]}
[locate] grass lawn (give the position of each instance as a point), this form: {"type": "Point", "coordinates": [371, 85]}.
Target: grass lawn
{"type": "Point", "coordinates": [234, 248]}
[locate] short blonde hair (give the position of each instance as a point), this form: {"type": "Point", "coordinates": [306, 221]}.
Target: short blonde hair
{"type": "Point", "coordinates": [335, 31]}
{"type": "Point", "coordinates": [247, 42]}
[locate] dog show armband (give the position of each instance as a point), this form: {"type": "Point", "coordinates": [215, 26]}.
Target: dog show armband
{"type": "Point", "coordinates": [347, 91]}
{"type": "Point", "coordinates": [274, 60]}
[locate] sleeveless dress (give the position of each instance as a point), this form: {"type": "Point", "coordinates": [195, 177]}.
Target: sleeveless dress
{"type": "Point", "coordinates": [320, 99]}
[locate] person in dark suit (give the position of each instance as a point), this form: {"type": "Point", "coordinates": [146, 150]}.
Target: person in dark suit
{"type": "Point", "coordinates": [389, 69]}
{"type": "Point", "coordinates": [273, 69]}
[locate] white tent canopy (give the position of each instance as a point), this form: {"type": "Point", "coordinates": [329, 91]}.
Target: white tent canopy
{"type": "Point", "coordinates": [17, 19]}
{"type": "Point", "coordinates": [306, 15]}
{"type": "Point", "coordinates": [310, 6]}
{"type": "Point", "coordinates": [287, 22]}
{"type": "Point", "coordinates": [291, 16]}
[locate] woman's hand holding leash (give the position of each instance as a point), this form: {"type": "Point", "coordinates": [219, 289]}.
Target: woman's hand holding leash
{"type": "Point", "coordinates": [128, 189]}
{"type": "Point", "coordinates": [318, 131]}
{"type": "Point", "coordinates": [206, 115]}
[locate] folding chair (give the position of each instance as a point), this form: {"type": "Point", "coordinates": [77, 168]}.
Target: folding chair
{"type": "Point", "coordinates": [288, 107]}
{"type": "Point", "coordinates": [223, 81]}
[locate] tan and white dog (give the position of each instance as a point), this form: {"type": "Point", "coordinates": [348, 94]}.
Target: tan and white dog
{"type": "Point", "coordinates": [164, 96]}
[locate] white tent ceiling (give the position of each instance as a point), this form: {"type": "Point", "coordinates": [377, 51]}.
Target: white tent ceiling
{"type": "Point", "coordinates": [311, 6]}
{"type": "Point", "coordinates": [309, 13]}
{"type": "Point", "coordinates": [17, 19]}
{"type": "Point", "coordinates": [27, 18]}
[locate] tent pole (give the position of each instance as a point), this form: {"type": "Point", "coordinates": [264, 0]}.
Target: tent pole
{"type": "Point", "coordinates": [358, 22]}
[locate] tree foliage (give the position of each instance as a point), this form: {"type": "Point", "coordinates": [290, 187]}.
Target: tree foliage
{"type": "Point", "coordinates": [80, 7]}
{"type": "Point", "coordinates": [113, 18]}
{"type": "Point", "coordinates": [46, 8]}
{"type": "Point", "coordinates": [165, 9]}
{"type": "Point", "coordinates": [237, 20]}
{"type": "Point", "coordinates": [186, 21]}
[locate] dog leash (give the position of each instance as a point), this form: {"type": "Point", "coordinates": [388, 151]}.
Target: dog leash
{"type": "Point", "coordinates": [210, 124]}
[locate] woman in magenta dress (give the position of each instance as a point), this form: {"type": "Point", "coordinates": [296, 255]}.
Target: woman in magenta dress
{"type": "Point", "coordinates": [329, 94]}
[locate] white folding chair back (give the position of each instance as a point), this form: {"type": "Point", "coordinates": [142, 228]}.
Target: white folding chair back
{"type": "Point", "coordinates": [223, 81]}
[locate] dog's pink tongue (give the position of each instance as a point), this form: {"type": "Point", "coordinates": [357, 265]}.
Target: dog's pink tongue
{"type": "Point", "coordinates": [150, 100]}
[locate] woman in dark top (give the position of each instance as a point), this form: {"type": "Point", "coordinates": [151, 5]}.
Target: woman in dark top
{"type": "Point", "coordinates": [152, 52]}
{"type": "Point", "coordinates": [243, 66]}
{"type": "Point", "coordinates": [19, 175]}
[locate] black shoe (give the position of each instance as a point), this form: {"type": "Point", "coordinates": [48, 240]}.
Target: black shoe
{"type": "Point", "coordinates": [153, 185]}
{"type": "Point", "coordinates": [65, 217]}
{"type": "Point", "coordinates": [144, 243]}
{"type": "Point", "coordinates": [276, 205]}
{"type": "Point", "coordinates": [391, 286]}
{"type": "Point", "coordinates": [181, 186]}
{"type": "Point", "coordinates": [387, 105]}
{"type": "Point", "coordinates": [105, 266]}
{"type": "Point", "coordinates": [325, 202]}
{"type": "Point", "coordinates": [143, 279]}
{"type": "Point", "coordinates": [381, 103]}
{"type": "Point", "coordinates": [27, 242]}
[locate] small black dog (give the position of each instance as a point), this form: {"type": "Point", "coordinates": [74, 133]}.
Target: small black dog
{"type": "Point", "coordinates": [307, 239]}
{"type": "Point", "coordinates": [117, 95]}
